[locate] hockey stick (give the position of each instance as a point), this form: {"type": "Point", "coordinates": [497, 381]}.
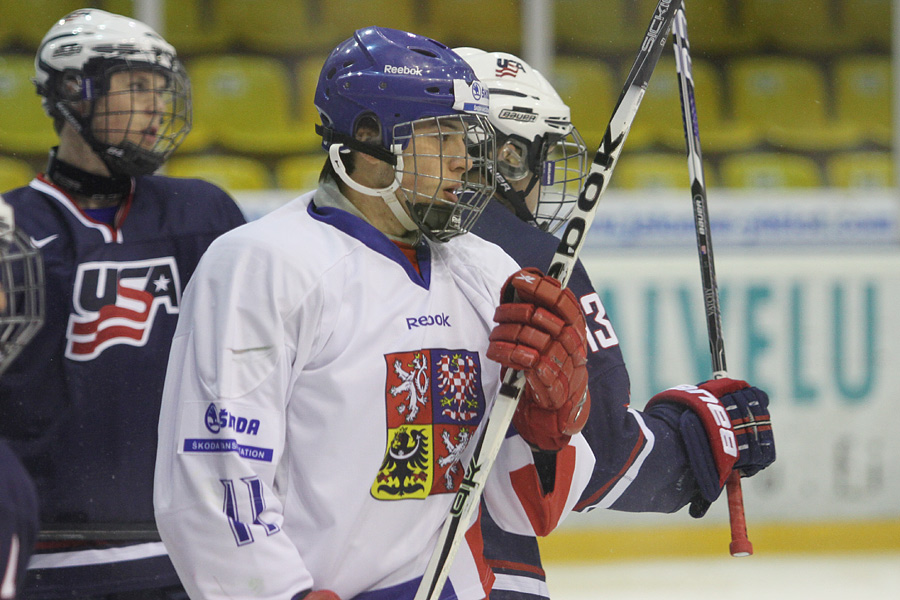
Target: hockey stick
{"type": "Point", "coordinates": [497, 422]}
{"type": "Point", "coordinates": [740, 544]}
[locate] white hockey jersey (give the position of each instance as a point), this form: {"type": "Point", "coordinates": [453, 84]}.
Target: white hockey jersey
{"type": "Point", "coordinates": [317, 408]}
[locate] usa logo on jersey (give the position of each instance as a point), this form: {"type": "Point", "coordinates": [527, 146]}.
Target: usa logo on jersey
{"type": "Point", "coordinates": [434, 402]}
{"type": "Point", "coordinates": [116, 303]}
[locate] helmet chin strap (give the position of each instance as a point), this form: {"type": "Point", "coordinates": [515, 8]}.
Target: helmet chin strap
{"type": "Point", "coordinates": [388, 194]}
{"type": "Point", "coordinates": [515, 198]}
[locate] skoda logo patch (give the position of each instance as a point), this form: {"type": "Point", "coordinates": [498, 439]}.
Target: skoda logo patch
{"type": "Point", "coordinates": [478, 90]}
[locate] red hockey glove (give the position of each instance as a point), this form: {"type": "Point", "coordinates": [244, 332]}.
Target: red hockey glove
{"type": "Point", "coordinates": [725, 425]}
{"type": "Point", "coordinates": [541, 331]}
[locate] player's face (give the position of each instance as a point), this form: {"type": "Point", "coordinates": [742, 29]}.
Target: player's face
{"type": "Point", "coordinates": [435, 161]}
{"type": "Point", "coordinates": [133, 110]}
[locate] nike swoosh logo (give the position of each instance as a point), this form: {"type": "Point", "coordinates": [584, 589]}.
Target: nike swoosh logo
{"type": "Point", "coordinates": [43, 242]}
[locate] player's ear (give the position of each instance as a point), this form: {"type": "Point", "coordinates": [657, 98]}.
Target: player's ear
{"type": "Point", "coordinates": [368, 130]}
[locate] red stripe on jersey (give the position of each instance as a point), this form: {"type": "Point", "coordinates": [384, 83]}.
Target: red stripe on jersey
{"type": "Point", "coordinates": [593, 498]}
{"type": "Point", "coordinates": [475, 541]}
{"type": "Point", "coordinates": [545, 511]}
{"type": "Point", "coordinates": [508, 565]}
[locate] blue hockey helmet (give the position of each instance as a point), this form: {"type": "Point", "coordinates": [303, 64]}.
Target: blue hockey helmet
{"type": "Point", "coordinates": [396, 76]}
{"type": "Point", "coordinates": [425, 99]}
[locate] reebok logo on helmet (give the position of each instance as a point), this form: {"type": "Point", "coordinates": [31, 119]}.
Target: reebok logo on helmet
{"type": "Point", "coordinates": [404, 70]}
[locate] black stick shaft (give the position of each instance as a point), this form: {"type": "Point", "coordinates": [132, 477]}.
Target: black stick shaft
{"type": "Point", "coordinates": [740, 544]}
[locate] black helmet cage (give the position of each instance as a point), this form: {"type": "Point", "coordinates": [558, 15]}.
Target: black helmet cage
{"type": "Point", "coordinates": [22, 283]}
{"type": "Point", "coordinates": [439, 218]}
{"type": "Point", "coordinates": [171, 102]}
{"type": "Point", "coordinates": [556, 161]}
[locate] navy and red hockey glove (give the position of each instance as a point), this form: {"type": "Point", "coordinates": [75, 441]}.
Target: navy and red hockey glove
{"type": "Point", "coordinates": [725, 426]}
{"type": "Point", "coordinates": [541, 331]}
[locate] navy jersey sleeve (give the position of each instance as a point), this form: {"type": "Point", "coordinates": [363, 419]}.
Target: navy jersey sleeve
{"type": "Point", "coordinates": [18, 521]}
{"type": "Point", "coordinates": [641, 463]}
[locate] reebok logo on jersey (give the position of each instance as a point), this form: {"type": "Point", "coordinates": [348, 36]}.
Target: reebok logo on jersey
{"type": "Point", "coordinates": [403, 70]}
{"type": "Point", "coordinates": [440, 320]}
{"type": "Point", "coordinates": [116, 303]}
{"type": "Point", "coordinates": [218, 419]}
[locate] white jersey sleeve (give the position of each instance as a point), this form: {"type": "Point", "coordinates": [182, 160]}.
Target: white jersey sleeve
{"type": "Point", "coordinates": [222, 433]}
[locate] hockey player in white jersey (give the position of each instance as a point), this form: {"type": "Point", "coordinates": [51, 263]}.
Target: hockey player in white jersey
{"type": "Point", "coordinates": [333, 359]}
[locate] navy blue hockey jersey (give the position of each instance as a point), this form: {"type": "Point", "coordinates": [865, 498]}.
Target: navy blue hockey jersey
{"type": "Point", "coordinates": [641, 464]}
{"type": "Point", "coordinates": [81, 403]}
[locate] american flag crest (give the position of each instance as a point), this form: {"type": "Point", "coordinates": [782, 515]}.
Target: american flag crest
{"type": "Point", "coordinates": [508, 68]}
{"type": "Point", "coordinates": [433, 402]}
{"type": "Point", "coordinates": [117, 302]}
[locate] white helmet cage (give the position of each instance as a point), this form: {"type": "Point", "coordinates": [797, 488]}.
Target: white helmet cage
{"type": "Point", "coordinates": [21, 288]}
{"type": "Point", "coordinates": [535, 134]}
{"type": "Point", "coordinates": [135, 127]}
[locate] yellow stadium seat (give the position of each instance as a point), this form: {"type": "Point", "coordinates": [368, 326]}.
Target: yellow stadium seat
{"type": "Point", "coordinates": [492, 26]}
{"type": "Point", "coordinates": [299, 172]}
{"type": "Point", "coordinates": [659, 120]}
{"type": "Point", "coordinates": [276, 26]}
{"type": "Point", "coordinates": [787, 101]}
{"type": "Point", "coordinates": [714, 26]}
{"type": "Point", "coordinates": [245, 104]}
{"type": "Point", "coordinates": [24, 126]}
{"type": "Point", "coordinates": [338, 20]}
{"type": "Point", "coordinates": [231, 173]}
{"type": "Point", "coordinates": [590, 89]}
{"type": "Point", "coordinates": [868, 23]}
{"type": "Point", "coordinates": [14, 173]}
{"type": "Point", "coordinates": [306, 76]}
{"type": "Point", "coordinates": [769, 170]}
{"type": "Point", "coordinates": [861, 170]}
{"type": "Point", "coordinates": [810, 26]}
{"type": "Point", "coordinates": [190, 25]}
{"type": "Point", "coordinates": [654, 170]}
{"type": "Point", "coordinates": [28, 22]}
{"type": "Point", "coordinates": [599, 26]}
{"type": "Point", "coordinates": [864, 95]}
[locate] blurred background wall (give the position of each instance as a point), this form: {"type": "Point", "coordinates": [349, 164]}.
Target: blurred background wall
{"type": "Point", "coordinates": [795, 103]}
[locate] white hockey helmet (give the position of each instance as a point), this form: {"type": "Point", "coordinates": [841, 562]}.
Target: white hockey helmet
{"type": "Point", "coordinates": [535, 135]}
{"type": "Point", "coordinates": [74, 65]}
{"type": "Point", "coordinates": [21, 288]}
